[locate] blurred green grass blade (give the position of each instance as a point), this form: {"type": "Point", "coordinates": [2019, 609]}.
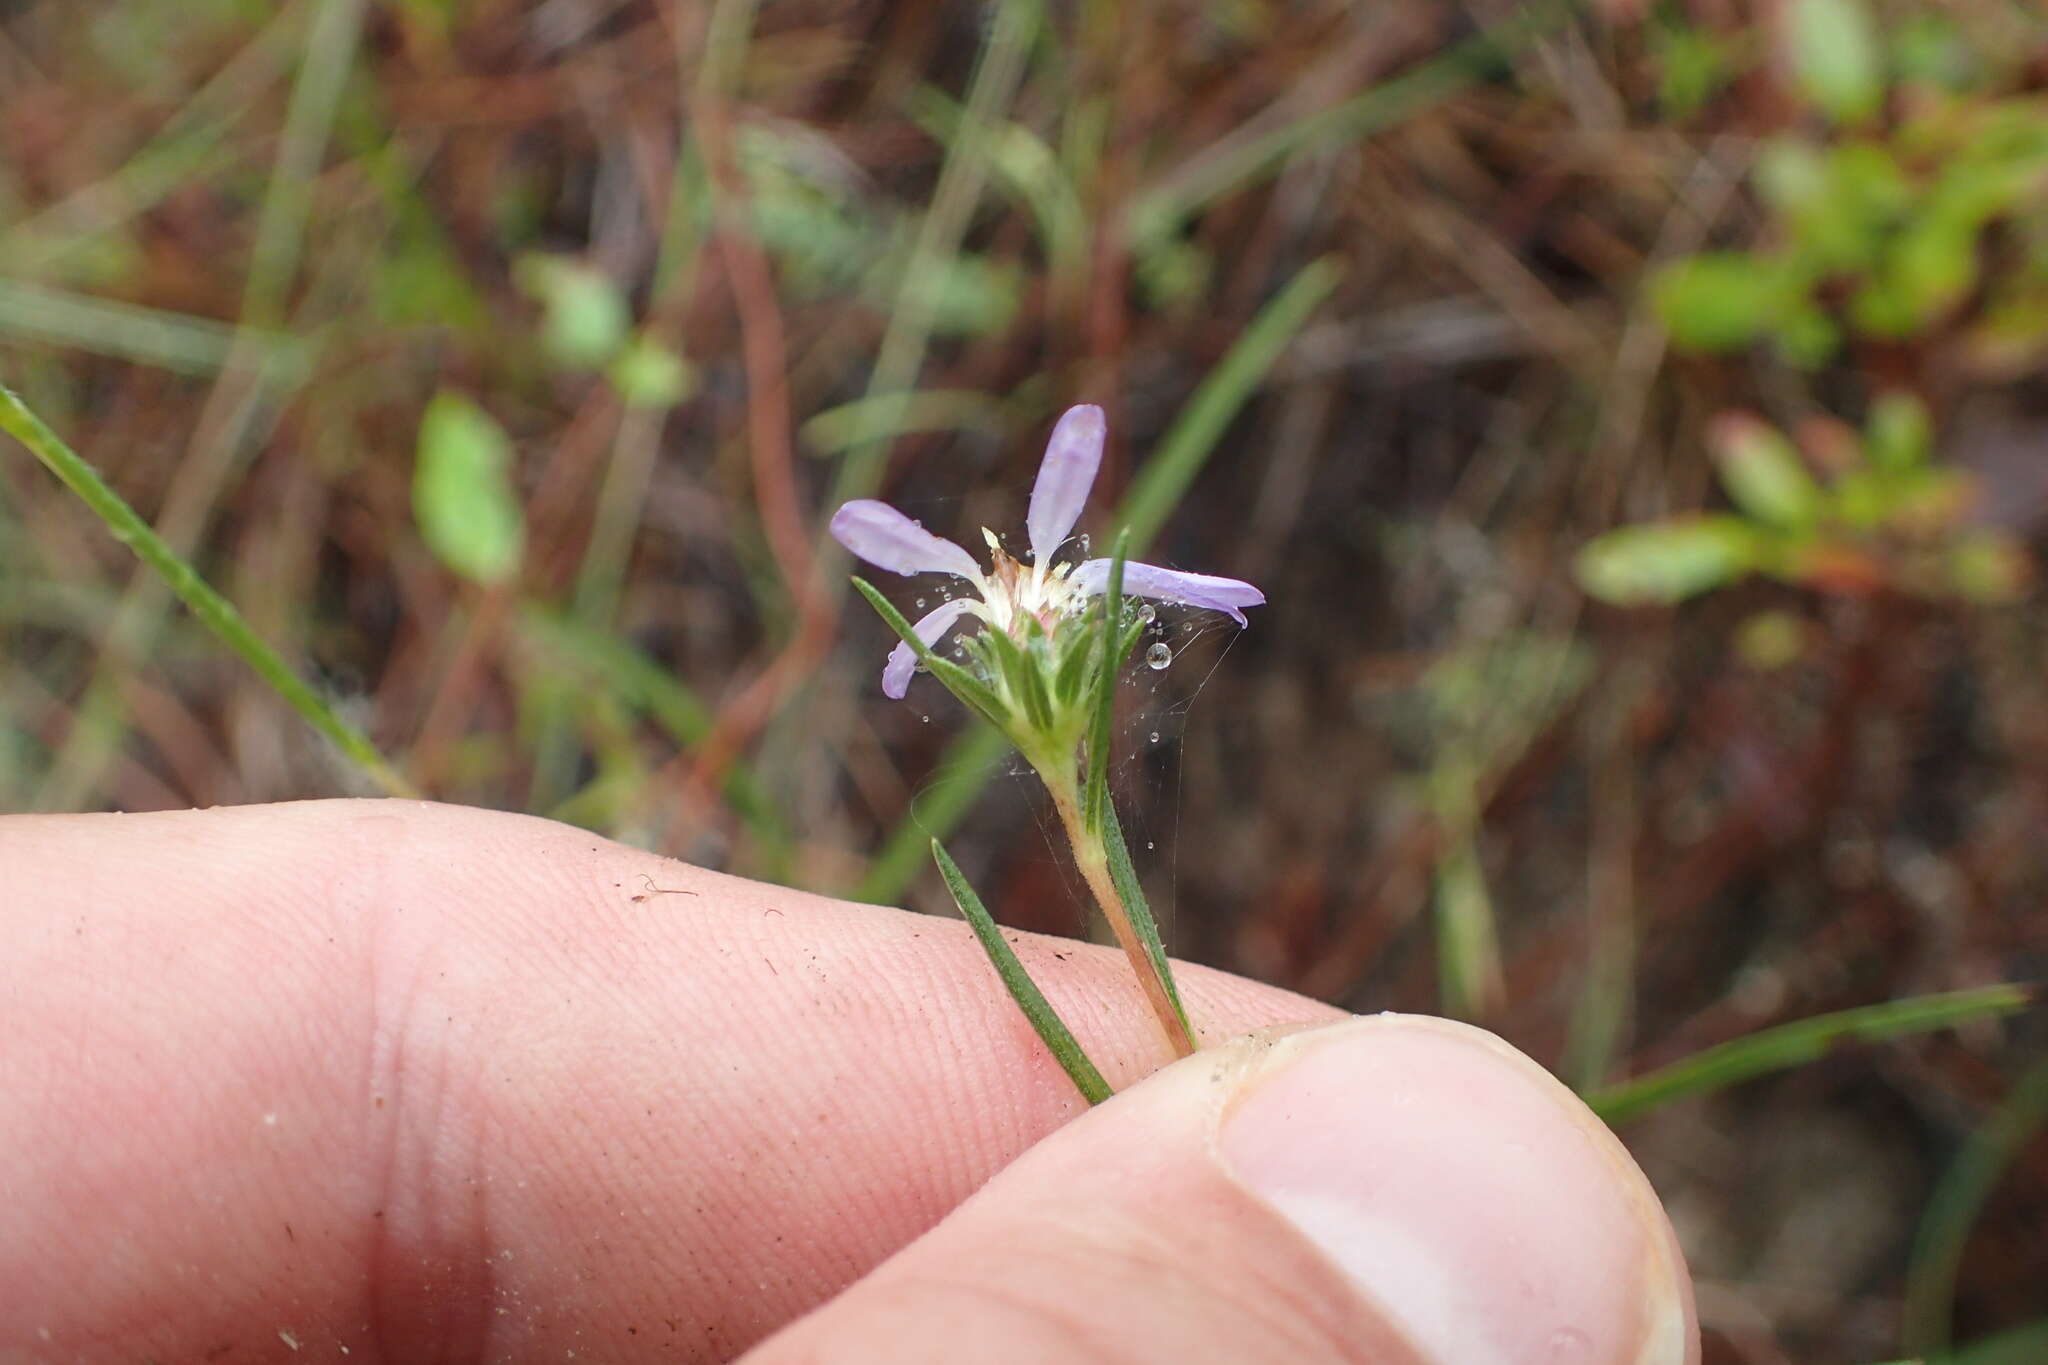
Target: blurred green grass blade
{"type": "Point", "coordinates": [1953, 1209]}
{"type": "Point", "coordinates": [1095, 791]}
{"type": "Point", "coordinates": [1795, 1044]}
{"type": "Point", "coordinates": [1058, 1039]}
{"type": "Point", "coordinates": [1124, 877]}
{"type": "Point", "coordinates": [887, 416]}
{"type": "Point", "coordinates": [213, 610]}
{"type": "Point", "coordinates": [145, 336]}
{"type": "Point", "coordinates": [648, 686]}
{"type": "Point", "coordinates": [180, 153]}
{"type": "Point", "coordinates": [1161, 209]}
{"type": "Point", "coordinates": [1187, 445]}
{"type": "Point", "coordinates": [1468, 939]}
{"type": "Point", "coordinates": [960, 774]}
{"type": "Point", "coordinates": [961, 178]}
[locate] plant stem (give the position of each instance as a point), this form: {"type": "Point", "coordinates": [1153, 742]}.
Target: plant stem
{"type": "Point", "coordinates": [1093, 860]}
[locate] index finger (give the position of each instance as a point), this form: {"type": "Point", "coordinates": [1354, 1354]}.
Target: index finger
{"type": "Point", "coordinates": [426, 1081]}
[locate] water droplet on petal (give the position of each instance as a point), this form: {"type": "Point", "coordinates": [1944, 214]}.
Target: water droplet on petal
{"type": "Point", "coordinates": [1148, 613]}
{"type": "Point", "coordinates": [920, 604]}
{"type": "Point", "coordinates": [1159, 656]}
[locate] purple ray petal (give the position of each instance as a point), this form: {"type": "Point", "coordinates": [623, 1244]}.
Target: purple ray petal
{"type": "Point", "coordinates": [1171, 585]}
{"type": "Point", "coordinates": [1064, 477]}
{"type": "Point", "coordinates": [929, 627]}
{"type": "Point", "coordinates": [883, 536]}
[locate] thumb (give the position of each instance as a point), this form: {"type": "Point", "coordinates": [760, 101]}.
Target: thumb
{"type": "Point", "coordinates": [1390, 1189]}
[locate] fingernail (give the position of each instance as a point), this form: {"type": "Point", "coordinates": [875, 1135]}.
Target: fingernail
{"type": "Point", "coordinates": [1469, 1195]}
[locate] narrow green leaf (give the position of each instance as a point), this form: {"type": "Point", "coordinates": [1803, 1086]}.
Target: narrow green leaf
{"type": "Point", "coordinates": [1095, 793]}
{"type": "Point", "coordinates": [1795, 1044]}
{"type": "Point", "coordinates": [462, 494]}
{"type": "Point", "coordinates": [215, 612]}
{"type": "Point", "coordinates": [1045, 1021]}
{"type": "Point", "coordinates": [1073, 670]}
{"type": "Point", "coordinates": [1124, 877]}
{"type": "Point", "coordinates": [971, 690]}
{"type": "Point", "coordinates": [1021, 676]}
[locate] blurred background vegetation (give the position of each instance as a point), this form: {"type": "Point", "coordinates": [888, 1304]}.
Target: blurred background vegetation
{"type": "Point", "coordinates": [1633, 410]}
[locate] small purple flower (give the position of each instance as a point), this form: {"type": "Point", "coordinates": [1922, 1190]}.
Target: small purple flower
{"type": "Point", "coordinates": [1009, 592]}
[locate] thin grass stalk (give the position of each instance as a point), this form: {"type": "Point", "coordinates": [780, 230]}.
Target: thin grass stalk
{"type": "Point", "coordinates": [215, 612]}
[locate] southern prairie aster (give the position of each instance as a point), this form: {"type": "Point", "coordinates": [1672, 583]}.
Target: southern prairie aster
{"type": "Point", "coordinates": [1010, 595]}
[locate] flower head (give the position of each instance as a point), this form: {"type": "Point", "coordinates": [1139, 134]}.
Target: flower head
{"type": "Point", "coordinates": [1011, 596]}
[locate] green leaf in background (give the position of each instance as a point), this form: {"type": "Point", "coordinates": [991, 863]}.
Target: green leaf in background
{"type": "Point", "coordinates": [1807, 338]}
{"type": "Point", "coordinates": [1721, 300]}
{"type": "Point", "coordinates": [1989, 567]}
{"type": "Point", "coordinates": [648, 374]}
{"type": "Point", "coordinates": [584, 318]}
{"type": "Point", "coordinates": [1694, 64]}
{"type": "Point", "coordinates": [1898, 434]}
{"type": "Point", "coordinates": [1763, 474]}
{"type": "Point", "coordinates": [1929, 48]}
{"type": "Point", "coordinates": [462, 494]}
{"type": "Point", "coordinates": [1840, 201]}
{"type": "Point", "coordinates": [1666, 562]}
{"type": "Point", "coordinates": [1928, 270]}
{"type": "Point", "coordinates": [1836, 61]}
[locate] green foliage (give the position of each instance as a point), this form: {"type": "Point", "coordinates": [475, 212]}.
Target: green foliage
{"type": "Point", "coordinates": [1887, 519]}
{"type": "Point", "coordinates": [1835, 57]}
{"type": "Point", "coordinates": [462, 495]}
{"type": "Point", "coordinates": [647, 374]}
{"type": "Point", "coordinates": [1879, 230]}
{"type": "Point", "coordinates": [1693, 64]}
{"type": "Point", "coordinates": [584, 317]}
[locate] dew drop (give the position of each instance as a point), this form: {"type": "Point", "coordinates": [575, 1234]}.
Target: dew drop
{"type": "Point", "coordinates": [1159, 656]}
{"type": "Point", "coordinates": [926, 719]}
{"type": "Point", "coordinates": [1155, 736]}
{"type": "Point", "coordinates": [1148, 613]}
{"type": "Point", "coordinates": [920, 604]}
{"type": "Point", "coordinates": [1150, 845]}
